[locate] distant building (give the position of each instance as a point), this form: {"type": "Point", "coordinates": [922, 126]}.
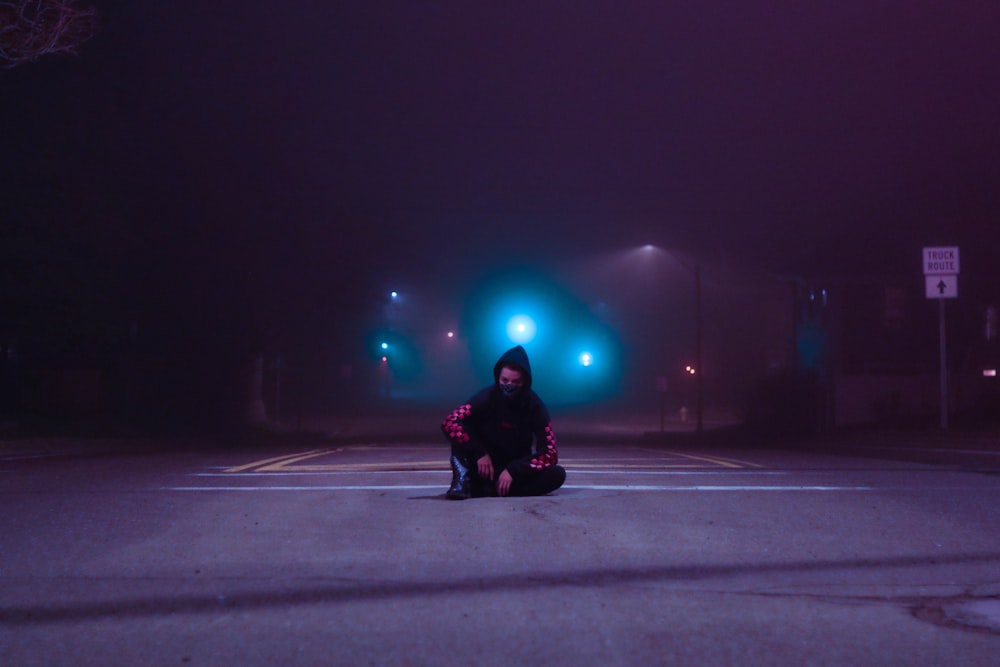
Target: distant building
{"type": "Point", "coordinates": [868, 336]}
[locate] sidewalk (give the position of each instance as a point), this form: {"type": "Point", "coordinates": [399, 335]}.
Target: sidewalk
{"type": "Point", "coordinates": [402, 426]}
{"type": "Point", "coordinates": [955, 439]}
{"type": "Point", "coordinates": [575, 426]}
{"type": "Point", "coordinates": [424, 426]}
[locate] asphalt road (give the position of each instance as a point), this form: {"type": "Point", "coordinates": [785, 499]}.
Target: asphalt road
{"type": "Point", "coordinates": [652, 554]}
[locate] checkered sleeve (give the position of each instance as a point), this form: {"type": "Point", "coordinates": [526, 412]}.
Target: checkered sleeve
{"type": "Point", "coordinates": [456, 428]}
{"type": "Point", "coordinates": [548, 450]}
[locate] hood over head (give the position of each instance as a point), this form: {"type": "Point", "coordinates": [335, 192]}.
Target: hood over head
{"type": "Point", "coordinates": [515, 356]}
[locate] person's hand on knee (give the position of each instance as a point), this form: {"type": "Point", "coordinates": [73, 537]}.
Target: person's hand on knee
{"type": "Point", "coordinates": [485, 466]}
{"type": "Point", "coordinates": [503, 483]}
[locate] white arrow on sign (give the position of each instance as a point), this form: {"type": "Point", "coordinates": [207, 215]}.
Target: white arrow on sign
{"type": "Point", "coordinates": [941, 287]}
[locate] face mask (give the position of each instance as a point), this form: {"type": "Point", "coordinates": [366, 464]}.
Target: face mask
{"type": "Point", "coordinates": [510, 390]}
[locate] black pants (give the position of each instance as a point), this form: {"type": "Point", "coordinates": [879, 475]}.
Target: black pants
{"type": "Point", "coordinates": [532, 483]}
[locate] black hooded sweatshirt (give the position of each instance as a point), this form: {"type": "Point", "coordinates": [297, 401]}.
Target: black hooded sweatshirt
{"type": "Point", "coordinates": [505, 427]}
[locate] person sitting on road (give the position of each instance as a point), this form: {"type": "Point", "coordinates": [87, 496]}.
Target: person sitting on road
{"type": "Point", "coordinates": [492, 434]}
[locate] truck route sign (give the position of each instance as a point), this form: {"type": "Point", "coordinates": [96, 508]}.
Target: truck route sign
{"type": "Point", "coordinates": [941, 261]}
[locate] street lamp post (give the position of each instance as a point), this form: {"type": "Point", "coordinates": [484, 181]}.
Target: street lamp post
{"type": "Point", "coordinates": [698, 365]}
{"type": "Point", "coordinates": [699, 369]}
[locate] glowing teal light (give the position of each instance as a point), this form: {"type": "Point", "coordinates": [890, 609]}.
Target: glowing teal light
{"type": "Point", "coordinates": [575, 358]}
{"type": "Point", "coordinates": [521, 329]}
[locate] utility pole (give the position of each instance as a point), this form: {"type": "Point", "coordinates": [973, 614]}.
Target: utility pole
{"type": "Point", "coordinates": [699, 368]}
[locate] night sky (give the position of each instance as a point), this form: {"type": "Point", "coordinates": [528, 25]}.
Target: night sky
{"type": "Point", "coordinates": [253, 162]}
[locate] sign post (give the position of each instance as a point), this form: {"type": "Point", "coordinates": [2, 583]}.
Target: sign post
{"type": "Point", "coordinates": [661, 389]}
{"type": "Point", "coordinates": [941, 267]}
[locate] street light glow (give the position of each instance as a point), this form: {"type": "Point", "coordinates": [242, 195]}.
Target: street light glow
{"type": "Point", "coordinates": [521, 329]}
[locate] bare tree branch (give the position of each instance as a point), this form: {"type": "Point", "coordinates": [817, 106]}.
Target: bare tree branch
{"type": "Point", "coordinates": [30, 29]}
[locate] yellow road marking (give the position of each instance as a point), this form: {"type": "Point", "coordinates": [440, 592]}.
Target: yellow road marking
{"type": "Point", "coordinates": [277, 462]}
{"type": "Point", "coordinates": [294, 463]}
{"type": "Point", "coordinates": [725, 463]}
{"type": "Point", "coordinates": [629, 466]}
{"type": "Point", "coordinates": [364, 467]}
{"type": "Point", "coordinates": [661, 461]}
{"type": "Point", "coordinates": [622, 461]}
{"type": "Point", "coordinates": [288, 463]}
{"type": "Point", "coordinates": [712, 459]}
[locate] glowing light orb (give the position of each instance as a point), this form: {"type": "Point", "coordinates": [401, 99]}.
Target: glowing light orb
{"type": "Point", "coordinates": [521, 329]}
{"type": "Point", "coordinates": [586, 359]}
